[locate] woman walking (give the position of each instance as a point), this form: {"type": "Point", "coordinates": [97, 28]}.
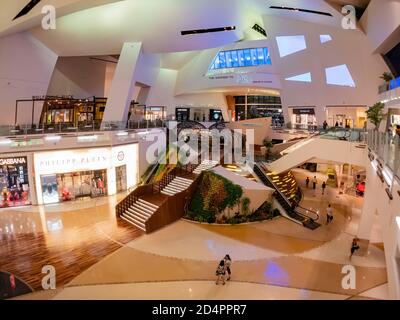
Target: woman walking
{"type": "Point", "coordinates": [354, 247]}
{"type": "Point", "coordinates": [220, 273]}
{"type": "Point", "coordinates": [228, 263]}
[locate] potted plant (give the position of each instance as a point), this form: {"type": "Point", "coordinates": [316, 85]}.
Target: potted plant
{"type": "Point", "coordinates": [375, 114]}
{"type": "Point", "coordinates": [387, 77]}
{"type": "Point", "coordinates": [269, 145]}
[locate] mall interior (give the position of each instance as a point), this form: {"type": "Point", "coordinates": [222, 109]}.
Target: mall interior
{"type": "Point", "coordinates": [109, 187]}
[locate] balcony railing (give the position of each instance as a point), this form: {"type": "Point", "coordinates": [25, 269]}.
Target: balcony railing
{"type": "Point", "coordinates": [393, 84]}
{"type": "Point", "coordinates": [387, 147]}
{"type": "Point", "coordinates": [9, 130]}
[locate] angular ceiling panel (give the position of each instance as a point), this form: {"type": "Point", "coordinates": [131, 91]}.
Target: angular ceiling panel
{"type": "Point", "coordinates": [288, 45]}
{"type": "Point", "coordinates": [339, 76]}
{"type": "Point", "coordinates": [305, 77]}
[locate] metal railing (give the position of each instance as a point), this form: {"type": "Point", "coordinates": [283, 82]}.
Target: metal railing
{"type": "Point", "coordinates": [391, 85]}
{"type": "Point", "coordinates": [12, 130]}
{"type": "Point", "coordinates": [387, 147]}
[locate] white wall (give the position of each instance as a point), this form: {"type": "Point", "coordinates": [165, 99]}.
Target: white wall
{"type": "Point", "coordinates": [350, 47]}
{"type": "Point", "coordinates": [26, 67]}
{"type": "Point", "coordinates": [81, 77]}
{"type": "Point", "coordinates": [163, 93]}
{"type": "Point", "coordinates": [381, 23]}
{"type": "Point", "coordinates": [377, 202]}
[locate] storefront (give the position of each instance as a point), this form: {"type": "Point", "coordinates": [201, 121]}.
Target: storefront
{"type": "Point", "coordinates": [346, 116]}
{"type": "Point", "coordinates": [69, 175]}
{"type": "Point", "coordinates": [304, 118]}
{"type": "Point", "coordinates": [14, 182]}
{"type": "Point", "coordinates": [182, 114]}
{"type": "Point", "coordinates": [393, 119]}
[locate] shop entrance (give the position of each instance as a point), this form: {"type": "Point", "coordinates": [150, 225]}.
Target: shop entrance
{"type": "Point", "coordinates": [182, 114]}
{"type": "Point", "coordinates": [304, 118]}
{"type": "Point", "coordinates": [74, 185]}
{"type": "Point", "coordinates": [120, 174]}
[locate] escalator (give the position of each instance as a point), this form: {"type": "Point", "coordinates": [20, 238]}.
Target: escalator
{"type": "Point", "coordinates": [297, 214]}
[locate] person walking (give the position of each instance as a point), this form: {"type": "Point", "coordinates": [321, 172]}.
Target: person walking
{"type": "Point", "coordinates": [220, 273]}
{"type": "Point", "coordinates": [228, 263]}
{"type": "Point", "coordinates": [354, 247]}
{"type": "Point", "coordinates": [325, 125]}
{"type": "Point", "coordinates": [314, 182]}
{"type": "Point", "coordinates": [323, 187]}
{"type": "Point", "coordinates": [329, 214]}
{"type": "Point", "coordinates": [307, 182]}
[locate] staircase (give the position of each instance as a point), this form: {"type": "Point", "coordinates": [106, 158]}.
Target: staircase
{"type": "Point", "coordinates": [205, 165]}
{"type": "Point", "coordinates": [177, 185]}
{"type": "Point", "coordinates": [139, 212]}
{"type": "Point", "coordinates": [293, 214]}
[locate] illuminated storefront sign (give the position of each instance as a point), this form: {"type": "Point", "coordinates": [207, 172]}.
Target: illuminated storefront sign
{"type": "Point", "coordinates": [67, 175]}
{"type": "Point", "coordinates": [12, 161]}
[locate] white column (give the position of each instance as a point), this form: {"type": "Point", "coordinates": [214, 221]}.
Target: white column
{"type": "Point", "coordinates": [123, 84]}
{"type": "Point", "coordinates": [369, 208]}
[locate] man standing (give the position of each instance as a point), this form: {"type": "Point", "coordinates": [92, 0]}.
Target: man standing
{"type": "Point", "coordinates": [307, 182]}
{"type": "Point", "coordinates": [314, 182]}
{"type": "Point", "coordinates": [323, 187]}
{"type": "Point", "coordinates": [329, 214]}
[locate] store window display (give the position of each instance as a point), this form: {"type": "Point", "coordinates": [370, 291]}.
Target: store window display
{"type": "Point", "coordinates": [70, 186]}
{"type": "Point", "coordinates": [14, 185]}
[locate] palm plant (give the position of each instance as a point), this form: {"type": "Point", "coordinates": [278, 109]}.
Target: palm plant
{"type": "Point", "coordinates": [387, 77]}
{"type": "Point", "coordinates": [375, 114]}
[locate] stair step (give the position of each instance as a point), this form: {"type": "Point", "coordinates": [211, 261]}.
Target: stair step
{"type": "Point", "coordinates": [174, 188]}
{"type": "Point", "coordinates": [146, 203]}
{"type": "Point", "coordinates": [180, 185]}
{"type": "Point", "coordinates": [168, 193]}
{"type": "Point", "coordinates": [135, 216]}
{"type": "Point", "coordinates": [183, 183]}
{"type": "Point", "coordinates": [142, 209]}
{"type": "Point", "coordinates": [174, 191]}
{"type": "Point", "coordinates": [138, 213]}
{"type": "Point", "coordinates": [133, 223]}
{"type": "Point", "coordinates": [184, 179]}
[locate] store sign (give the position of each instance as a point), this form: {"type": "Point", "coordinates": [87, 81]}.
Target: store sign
{"type": "Point", "coordinates": [12, 161]}
{"type": "Point", "coordinates": [304, 111]}
{"type": "Point", "coordinates": [121, 156]}
{"type": "Point", "coordinates": [72, 161]}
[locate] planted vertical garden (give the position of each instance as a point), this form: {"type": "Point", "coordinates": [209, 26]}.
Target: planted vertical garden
{"type": "Point", "coordinates": [218, 200]}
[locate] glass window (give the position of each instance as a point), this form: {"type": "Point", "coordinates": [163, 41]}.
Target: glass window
{"type": "Point", "coordinates": [235, 60]}
{"type": "Point", "coordinates": [254, 58]}
{"type": "Point", "coordinates": [228, 59]}
{"type": "Point", "coordinates": [247, 58]}
{"type": "Point", "coordinates": [241, 58]}
{"type": "Point", "coordinates": [267, 58]}
{"type": "Point", "coordinates": [260, 54]}
{"type": "Point", "coordinates": [222, 60]}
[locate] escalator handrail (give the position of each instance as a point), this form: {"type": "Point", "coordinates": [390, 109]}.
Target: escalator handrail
{"type": "Point", "coordinates": [308, 210]}
{"type": "Point", "coordinates": [282, 195]}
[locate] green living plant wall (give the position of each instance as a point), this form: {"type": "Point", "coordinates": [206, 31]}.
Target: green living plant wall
{"type": "Point", "coordinates": [215, 194]}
